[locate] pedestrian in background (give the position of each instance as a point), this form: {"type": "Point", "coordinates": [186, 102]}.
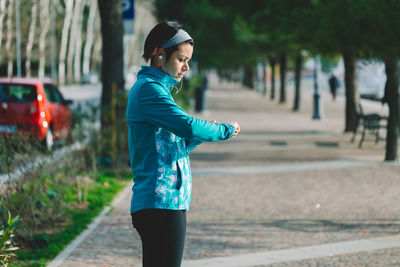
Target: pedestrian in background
{"type": "Point", "coordinates": [333, 85]}
{"type": "Point", "coordinates": [161, 135]}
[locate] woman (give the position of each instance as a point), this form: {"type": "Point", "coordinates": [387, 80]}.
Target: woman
{"type": "Point", "coordinates": [161, 135]}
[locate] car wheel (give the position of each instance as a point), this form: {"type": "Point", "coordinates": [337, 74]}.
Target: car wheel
{"type": "Point", "coordinates": [48, 141]}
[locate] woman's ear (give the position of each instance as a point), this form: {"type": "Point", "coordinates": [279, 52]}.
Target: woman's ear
{"type": "Point", "coordinates": [158, 58]}
{"type": "Point", "coordinates": [161, 56]}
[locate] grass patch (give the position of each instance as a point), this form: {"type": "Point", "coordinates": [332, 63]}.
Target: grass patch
{"type": "Point", "coordinates": [44, 246]}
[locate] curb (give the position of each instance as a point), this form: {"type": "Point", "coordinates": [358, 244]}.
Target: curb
{"type": "Point", "coordinates": [57, 261]}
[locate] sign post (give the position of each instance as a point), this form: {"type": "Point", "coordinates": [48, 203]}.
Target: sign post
{"type": "Point", "coordinates": [128, 14]}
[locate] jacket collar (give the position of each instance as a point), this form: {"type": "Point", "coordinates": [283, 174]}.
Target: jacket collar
{"type": "Point", "coordinates": [156, 74]}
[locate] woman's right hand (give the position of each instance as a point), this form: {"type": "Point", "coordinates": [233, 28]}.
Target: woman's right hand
{"type": "Point", "coordinates": [237, 129]}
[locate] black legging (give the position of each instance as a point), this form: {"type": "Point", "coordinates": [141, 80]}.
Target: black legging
{"type": "Point", "coordinates": [163, 236]}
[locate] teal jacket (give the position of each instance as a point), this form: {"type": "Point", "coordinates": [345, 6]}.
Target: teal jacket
{"type": "Point", "coordinates": [161, 135]}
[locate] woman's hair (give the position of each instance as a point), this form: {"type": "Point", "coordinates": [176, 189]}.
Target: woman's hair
{"type": "Point", "coordinates": [161, 33]}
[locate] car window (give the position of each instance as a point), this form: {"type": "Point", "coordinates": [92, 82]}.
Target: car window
{"type": "Point", "coordinates": [52, 93]}
{"type": "Point", "coordinates": [59, 98]}
{"type": "Point", "coordinates": [49, 93]}
{"type": "Point", "coordinates": [17, 93]}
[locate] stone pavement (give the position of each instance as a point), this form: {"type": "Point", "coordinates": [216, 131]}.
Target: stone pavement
{"type": "Point", "coordinates": [284, 184]}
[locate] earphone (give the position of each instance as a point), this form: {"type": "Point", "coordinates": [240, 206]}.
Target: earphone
{"type": "Point", "coordinates": [160, 57]}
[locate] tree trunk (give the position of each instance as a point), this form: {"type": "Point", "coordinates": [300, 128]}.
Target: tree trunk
{"type": "Point", "coordinates": [78, 45]}
{"type": "Point", "coordinates": [283, 65]}
{"type": "Point", "coordinates": [298, 70]}
{"type": "Point", "coordinates": [97, 48]}
{"type": "Point", "coordinates": [10, 31]}
{"type": "Point", "coordinates": [112, 68]}
{"type": "Point", "coordinates": [248, 79]}
{"type": "Point", "coordinates": [31, 35]}
{"type": "Point", "coordinates": [352, 98]}
{"type": "Point", "coordinates": [272, 62]}
{"type": "Point", "coordinates": [264, 92]}
{"type": "Point", "coordinates": [45, 27]}
{"type": "Point", "coordinates": [2, 14]}
{"type": "Point", "coordinates": [72, 40]}
{"type": "Point", "coordinates": [90, 37]}
{"type": "Point", "coordinates": [69, 5]}
{"type": "Point", "coordinates": [59, 7]}
{"type": "Point", "coordinates": [392, 76]}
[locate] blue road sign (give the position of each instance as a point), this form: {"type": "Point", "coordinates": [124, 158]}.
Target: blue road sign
{"type": "Point", "coordinates": [128, 9]}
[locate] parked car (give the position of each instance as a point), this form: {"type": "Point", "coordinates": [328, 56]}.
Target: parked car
{"type": "Point", "coordinates": [31, 106]}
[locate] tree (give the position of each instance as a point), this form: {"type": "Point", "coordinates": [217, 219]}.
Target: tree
{"type": "Point", "coordinates": [211, 24]}
{"type": "Point", "coordinates": [272, 62]}
{"type": "Point", "coordinates": [31, 35]}
{"type": "Point", "coordinates": [64, 39]}
{"type": "Point", "coordinates": [273, 28]}
{"type": "Point", "coordinates": [382, 19]}
{"type": "Point", "coordinates": [78, 44]}
{"type": "Point", "coordinates": [393, 73]}
{"type": "Point", "coordinates": [342, 33]}
{"type": "Point", "coordinates": [282, 71]}
{"type": "Point", "coordinates": [112, 68]}
{"type": "Point", "coordinates": [73, 39]}
{"type": "Point", "coordinates": [297, 74]}
{"type": "Point", "coordinates": [90, 32]}
{"type": "Point", "coordinates": [45, 27]}
{"type": "Point", "coordinates": [9, 38]}
{"type": "Point", "coordinates": [2, 15]}
{"type": "Point", "coordinates": [368, 29]}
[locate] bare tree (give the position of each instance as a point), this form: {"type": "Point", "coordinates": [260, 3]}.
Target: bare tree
{"type": "Point", "coordinates": [90, 32]}
{"type": "Point", "coordinates": [10, 31]}
{"type": "Point", "coordinates": [69, 5]}
{"type": "Point", "coordinates": [59, 7]}
{"type": "Point", "coordinates": [45, 27]}
{"type": "Point", "coordinates": [78, 45]}
{"type": "Point", "coordinates": [29, 45]}
{"type": "Point", "coordinates": [96, 51]}
{"type": "Point", "coordinates": [72, 39]}
{"type": "Point", "coordinates": [2, 14]}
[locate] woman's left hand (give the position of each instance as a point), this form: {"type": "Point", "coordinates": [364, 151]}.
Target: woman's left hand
{"type": "Point", "coordinates": [237, 129]}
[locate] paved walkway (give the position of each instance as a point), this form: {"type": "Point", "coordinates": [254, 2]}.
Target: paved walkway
{"type": "Point", "coordinates": [288, 191]}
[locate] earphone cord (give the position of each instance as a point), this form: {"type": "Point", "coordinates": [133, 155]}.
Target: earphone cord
{"type": "Point", "coordinates": [176, 88]}
{"type": "Point", "coordinates": [173, 86]}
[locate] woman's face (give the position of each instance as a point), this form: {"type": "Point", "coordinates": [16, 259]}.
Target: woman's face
{"type": "Point", "coordinates": [178, 64]}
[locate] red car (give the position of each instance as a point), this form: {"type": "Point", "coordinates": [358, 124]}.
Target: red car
{"type": "Point", "coordinates": [34, 106]}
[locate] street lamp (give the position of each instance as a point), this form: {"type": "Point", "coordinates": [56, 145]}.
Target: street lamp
{"type": "Point", "coordinates": [317, 98]}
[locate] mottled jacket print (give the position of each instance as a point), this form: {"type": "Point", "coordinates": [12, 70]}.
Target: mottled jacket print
{"type": "Point", "coordinates": [174, 180]}
{"type": "Point", "coordinates": [161, 135]}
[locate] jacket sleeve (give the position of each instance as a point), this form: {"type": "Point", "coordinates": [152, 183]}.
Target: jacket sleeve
{"type": "Point", "coordinates": [158, 108]}
{"type": "Point", "coordinates": [192, 143]}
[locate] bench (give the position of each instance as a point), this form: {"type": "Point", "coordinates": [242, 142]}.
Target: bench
{"type": "Point", "coordinates": [371, 123]}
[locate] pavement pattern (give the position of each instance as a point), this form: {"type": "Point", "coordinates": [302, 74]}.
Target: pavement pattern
{"type": "Point", "coordinates": [285, 182]}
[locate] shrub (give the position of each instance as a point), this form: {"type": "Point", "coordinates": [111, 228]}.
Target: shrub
{"type": "Point", "coordinates": [7, 242]}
